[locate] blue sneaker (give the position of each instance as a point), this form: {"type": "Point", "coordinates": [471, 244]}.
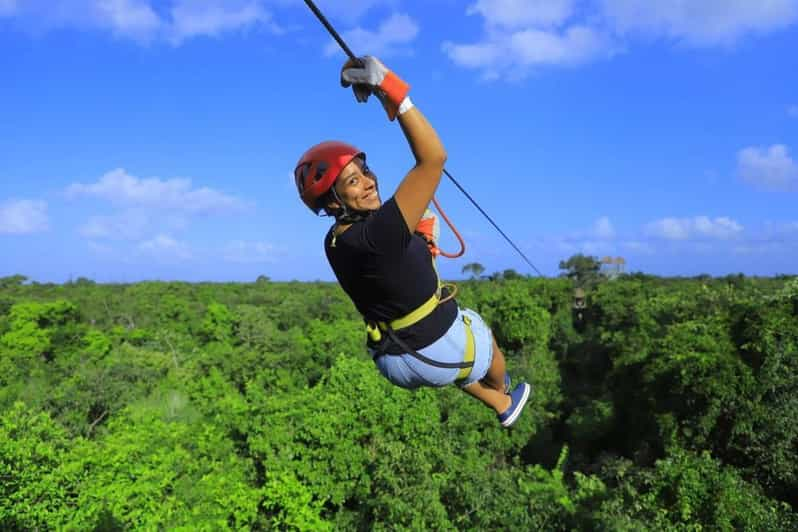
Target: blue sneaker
{"type": "Point", "coordinates": [507, 383]}
{"type": "Point", "coordinates": [518, 398]}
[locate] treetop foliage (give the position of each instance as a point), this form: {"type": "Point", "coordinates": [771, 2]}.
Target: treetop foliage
{"type": "Point", "coordinates": [670, 405]}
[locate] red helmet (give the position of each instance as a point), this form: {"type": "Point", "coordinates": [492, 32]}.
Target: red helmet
{"type": "Point", "coordinates": [318, 168]}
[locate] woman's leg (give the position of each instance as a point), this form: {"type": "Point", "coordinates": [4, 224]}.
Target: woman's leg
{"type": "Point", "coordinates": [498, 401]}
{"type": "Point", "coordinates": [494, 378]}
{"type": "Point", "coordinates": [490, 390]}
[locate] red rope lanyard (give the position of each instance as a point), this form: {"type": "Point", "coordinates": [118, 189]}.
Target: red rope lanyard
{"type": "Point", "coordinates": [454, 230]}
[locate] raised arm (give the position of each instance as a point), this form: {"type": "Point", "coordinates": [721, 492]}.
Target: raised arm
{"type": "Point", "coordinates": [369, 76]}
{"type": "Point", "coordinates": [417, 188]}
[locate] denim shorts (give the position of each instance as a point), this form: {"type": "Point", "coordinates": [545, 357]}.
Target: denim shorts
{"type": "Point", "coordinates": [408, 372]}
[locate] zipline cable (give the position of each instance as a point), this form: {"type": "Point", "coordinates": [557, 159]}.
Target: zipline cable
{"type": "Point", "coordinates": [507, 238]}
{"type": "Point", "coordinates": [352, 56]}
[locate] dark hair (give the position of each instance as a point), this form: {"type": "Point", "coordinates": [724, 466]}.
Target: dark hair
{"type": "Point", "coordinates": [324, 203]}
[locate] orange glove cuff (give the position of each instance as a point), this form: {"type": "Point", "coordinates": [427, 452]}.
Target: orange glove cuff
{"type": "Point", "coordinates": [395, 89]}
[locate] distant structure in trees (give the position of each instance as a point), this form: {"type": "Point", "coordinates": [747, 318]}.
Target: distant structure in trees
{"type": "Point", "coordinates": [580, 304]}
{"type": "Point", "coordinates": [613, 267]}
{"type": "Point", "coordinates": [579, 310]}
{"type": "Point", "coordinates": [579, 298]}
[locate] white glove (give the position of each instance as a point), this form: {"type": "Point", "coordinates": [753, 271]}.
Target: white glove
{"type": "Point", "coordinates": [368, 75]}
{"type": "Point", "coordinates": [370, 72]}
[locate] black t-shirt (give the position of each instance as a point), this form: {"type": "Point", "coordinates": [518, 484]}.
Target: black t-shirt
{"type": "Point", "coordinates": [387, 271]}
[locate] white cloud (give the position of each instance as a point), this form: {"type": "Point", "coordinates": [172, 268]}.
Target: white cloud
{"type": "Point", "coordinates": [522, 13]}
{"type": "Point", "coordinates": [389, 38]}
{"type": "Point", "coordinates": [670, 228]}
{"type": "Point", "coordinates": [790, 227]}
{"type": "Point", "coordinates": [165, 248]}
{"type": "Point", "coordinates": [596, 247]}
{"type": "Point", "coordinates": [773, 238]}
{"type": "Point", "coordinates": [721, 228]}
{"type": "Point", "coordinates": [780, 230]}
{"type": "Point", "coordinates": [575, 44]}
{"type": "Point", "coordinates": [105, 252]}
{"type": "Point", "coordinates": [770, 167]}
{"type": "Point", "coordinates": [109, 226]}
{"type": "Point", "coordinates": [684, 237]}
{"type": "Point", "coordinates": [767, 247]}
{"type": "Point", "coordinates": [598, 239]}
{"type": "Point", "coordinates": [131, 224]}
{"type": "Point", "coordinates": [129, 18]}
{"type": "Point", "coordinates": [700, 23]}
{"type": "Point", "coordinates": [100, 249]}
{"type": "Point", "coordinates": [7, 7]}
{"type": "Point", "coordinates": [23, 217]}
{"type": "Point", "coordinates": [249, 252]}
{"type": "Point", "coordinates": [148, 207]}
{"type": "Point", "coordinates": [513, 54]}
{"type": "Point", "coordinates": [603, 228]}
{"type": "Point", "coordinates": [134, 19]}
{"type": "Point", "coordinates": [121, 188]}
{"type": "Point", "coordinates": [758, 248]}
{"type": "Point", "coordinates": [211, 18]}
{"type": "Point", "coordinates": [638, 247]}
{"type": "Point", "coordinates": [523, 34]}
{"type": "Point", "coordinates": [140, 20]}
{"type": "Point", "coordinates": [351, 9]}
{"type": "Point", "coordinates": [478, 55]}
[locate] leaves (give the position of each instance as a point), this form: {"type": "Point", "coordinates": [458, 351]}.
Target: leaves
{"type": "Point", "coordinates": [255, 406]}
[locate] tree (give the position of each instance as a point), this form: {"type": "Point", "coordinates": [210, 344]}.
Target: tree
{"type": "Point", "coordinates": [475, 268]}
{"type": "Point", "coordinates": [36, 492]}
{"type": "Point", "coordinates": [510, 274]}
{"type": "Point", "coordinates": [12, 280]}
{"type": "Point", "coordinates": [156, 468]}
{"type": "Point", "coordinates": [582, 269]}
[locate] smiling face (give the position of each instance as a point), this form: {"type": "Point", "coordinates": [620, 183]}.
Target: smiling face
{"type": "Point", "coordinates": [357, 186]}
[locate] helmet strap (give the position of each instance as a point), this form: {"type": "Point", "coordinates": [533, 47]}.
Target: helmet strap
{"type": "Point", "coordinates": [345, 215]}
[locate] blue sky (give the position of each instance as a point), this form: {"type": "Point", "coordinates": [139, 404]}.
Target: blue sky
{"type": "Point", "coordinates": [146, 139]}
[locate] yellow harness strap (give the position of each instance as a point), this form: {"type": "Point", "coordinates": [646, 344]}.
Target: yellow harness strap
{"type": "Point", "coordinates": [468, 356]}
{"type": "Point", "coordinates": [374, 330]}
{"type": "Point", "coordinates": [405, 321]}
{"type": "Point", "coordinates": [414, 316]}
{"type": "Point", "coordinates": [417, 315]}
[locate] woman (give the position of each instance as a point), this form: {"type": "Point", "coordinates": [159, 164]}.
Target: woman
{"type": "Point", "coordinates": [418, 335]}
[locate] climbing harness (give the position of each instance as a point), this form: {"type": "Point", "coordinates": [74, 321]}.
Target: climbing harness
{"type": "Point", "coordinates": [352, 56]}
{"type": "Point", "coordinates": [381, 342]}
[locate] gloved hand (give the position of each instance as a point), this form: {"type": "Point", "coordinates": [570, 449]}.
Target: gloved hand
{"type": "Point", "coordinates": [368, 75]}
{"type": "Point", "coordinates": [429, 228]}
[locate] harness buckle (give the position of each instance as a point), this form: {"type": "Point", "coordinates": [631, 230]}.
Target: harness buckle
{"type": "Point", "coordinates": [374, 332]}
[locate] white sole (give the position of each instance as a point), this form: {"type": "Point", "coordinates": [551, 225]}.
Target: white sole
{"type": "Point", "coordinates": [510, 420]}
